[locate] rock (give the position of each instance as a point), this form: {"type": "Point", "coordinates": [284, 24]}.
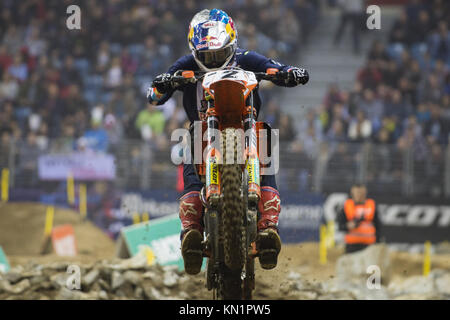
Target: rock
{"type": "Point", "coordinates": [416, 296]}
{"type": "Point", "coordinates": [95, 287]}
{"type": "Point", "coordinates": [59, 280]}
{"type": "Point", "coordinates": [13, 276]}
{"type": "Point", "coordinates": [32, 273]}
{"type": "Point", "coordinates": [138, 261]}
{"type": "Point", "coordinates": [293, 276]}
{"type": "Point", "coordinates": [183, 295]}
{"type": "Point", "coordinates": [104, 285]}
{"type": "Point", "coordinates": [418, 285]}
{"type": "Point", "coordinates": [18, 288]}
{"type": "Point", "coordinates": [170, 279]}
{"type": "Point", "coordinates": [132, 277]}
{"type": "Point", "coordinates": [37, 280]}
{"type": "Point", "coordinates": [343, 295]}
{"type": "Point", "coordinates": [90, 278]}
{"type": "Point", "coordinates": [306, 295]}
{"type": "Point", "coordinates": [149, 275]}
{"type": "Point", "coordinates": [17, 269]}
{"type": "Point", "coordinates": [443, 284]}
{"type": "Point", "coordinates": [126, 290]}
{"type": "Point", "coordinates": [67, 294]}
{"type": "Point", "coordinates": [46, 285]}
{"type": "Point", "coordinates": [116, 280]}
{"type": "Point", "coordinates": [151, 293]}
{"type": "Point", "coordinates": [103, 295]}
{"type": "Point", "coordinates": [355, 265]}
{"type": "Point", "coordinates": [58, 266]}
{"type": "Point", "coordinates": [139, 293]}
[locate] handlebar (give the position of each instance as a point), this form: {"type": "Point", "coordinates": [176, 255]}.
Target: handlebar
{"type": "Point", "coordinates": [188, 76]}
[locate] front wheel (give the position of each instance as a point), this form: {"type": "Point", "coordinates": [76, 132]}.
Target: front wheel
{"type": "Point", "coordinates": [232, 210]}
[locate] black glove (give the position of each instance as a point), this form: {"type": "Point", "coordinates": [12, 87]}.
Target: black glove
{"type": "Point", "coordinates": [298, 76]}
{"type": "Point", "coordinates": [162, 83]}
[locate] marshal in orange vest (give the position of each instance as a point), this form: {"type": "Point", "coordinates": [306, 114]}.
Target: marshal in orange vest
{"type": "Point", "coordinates": [364, 232]}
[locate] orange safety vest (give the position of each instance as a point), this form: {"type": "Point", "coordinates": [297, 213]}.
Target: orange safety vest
{"type": "Point", "coordinates": [364, 233]}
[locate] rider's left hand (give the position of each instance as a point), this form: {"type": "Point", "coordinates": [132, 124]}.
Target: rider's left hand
{"type": "Point", "coordinates": [298, 75]}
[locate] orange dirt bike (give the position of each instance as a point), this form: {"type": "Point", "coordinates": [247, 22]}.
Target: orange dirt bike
{"type": "Point", "coordinates": [230, 167]}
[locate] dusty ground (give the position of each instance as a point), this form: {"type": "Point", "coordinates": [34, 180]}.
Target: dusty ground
{"type": "Point", "coordinates": [21, 236]}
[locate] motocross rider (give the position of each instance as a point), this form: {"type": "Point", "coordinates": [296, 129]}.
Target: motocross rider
{"type": "Point", "coordinates": [212, 39]}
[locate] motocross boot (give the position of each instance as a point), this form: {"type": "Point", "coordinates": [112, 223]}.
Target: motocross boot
{"type": "Point", "coordinates": [268, 242]}
{"type": "Point", "coordinates": [191, 236]}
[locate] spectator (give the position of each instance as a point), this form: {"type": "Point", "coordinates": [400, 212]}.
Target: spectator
{"type": "Point", "coordinates": [9, 88]}
{"type": "Point", "coordinates": [440, 43]}
{"type": "Point", "coordinates": [74, 101]}
{"type": "Point", "coordinates": [114, 74]}
{"type": "Point", "coordinates": [286, 132]}
{"type": "Point", "coordinates": [289, 29]}
{"type": "Point", "coordinates": [150, 122]}
{"type": "Point", "coordinates": [96, 138]}
{"type": "Point", "coordinates": [5, 58]}
{"type": "Point", "coordinates": [373, 108]}
{"type": "Point", "coordinates": [29, 153]}
{"type": "Point", "coordinates": [360, 128]}
{"type": "Point", "coordinates": [352, 13]}
{"type": "Point", "coordinates": [18, 69]}
{"type": "Point", "coordinates": [420, 29]}
{"type": "Point", "coordinates": [370, 76]}
{"type": "Point", "coordinates": [69, 73]}
{"type": "Point", "coordinates": [399, 33]}
{"type": "Point", "coordinates": [337, 132]}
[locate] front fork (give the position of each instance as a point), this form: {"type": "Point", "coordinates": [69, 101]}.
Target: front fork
{"type": "Point", "coordinates": [251, 192]}
{"type": "Point", "coordinates": [212, 197]}
{"type": "Point", "coordinates": [252, 173]}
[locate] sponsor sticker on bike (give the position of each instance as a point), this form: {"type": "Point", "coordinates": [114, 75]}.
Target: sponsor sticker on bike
{"type": "Point", "coordinates": [253, 171]}
{"type": "Point", "coordinates": [212, 172]}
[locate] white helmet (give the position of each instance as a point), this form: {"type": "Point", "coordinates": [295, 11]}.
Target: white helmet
{"type": "Point", "coordinates": [212, 39]}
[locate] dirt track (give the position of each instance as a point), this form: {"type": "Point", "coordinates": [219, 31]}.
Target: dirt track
{"type": "Point", "coordinates": [22, 229]}
{"type": "Point", "coordinates": [21, 236]}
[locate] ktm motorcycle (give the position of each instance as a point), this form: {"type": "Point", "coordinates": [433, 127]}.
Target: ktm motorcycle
{"type": "Point", "coordinates": [230, 145]}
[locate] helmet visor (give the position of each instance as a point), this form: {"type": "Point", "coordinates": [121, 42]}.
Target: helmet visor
{"type": "Point", "coordinates": [214, 58]}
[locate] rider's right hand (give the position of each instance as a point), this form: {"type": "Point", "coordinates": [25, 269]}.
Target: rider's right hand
{"type": "Point", "coordinates": [162, 83]}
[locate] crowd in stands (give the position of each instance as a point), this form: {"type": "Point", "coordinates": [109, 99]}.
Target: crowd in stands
{"type": "Point", "coordinates": [88, 86]}
{"type": "Point", "coordinates": [63, 90]}
{"type": "Point", "coordinates": [400, 96]}
{"type": "Point", "coordinates": [66, 89]}
{"type": "Point", "coordinates": [400, 101]}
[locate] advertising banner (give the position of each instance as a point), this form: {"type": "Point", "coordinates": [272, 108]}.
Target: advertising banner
{"type": "Point", "coordinates": [63, 240]}
{"type": "Point", "coordinates": [4, 264]}
{"type": "Point", "coordinates": [161, 235]}
{"type": "Point", "coordinates": [403, 220]}
{"type": "Point", "coordinates": [82, 166]}
{"type": "Point", "coordinates": [300, 217]}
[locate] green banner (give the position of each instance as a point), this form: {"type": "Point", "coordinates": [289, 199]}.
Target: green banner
{"type": "Point", "coordinates": [4, 264]}
{"type": "Point", "coordinates": [161, 235]}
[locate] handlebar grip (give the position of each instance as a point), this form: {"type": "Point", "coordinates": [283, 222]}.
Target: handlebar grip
{"type": "Point", "coordinates": [272, 71]}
